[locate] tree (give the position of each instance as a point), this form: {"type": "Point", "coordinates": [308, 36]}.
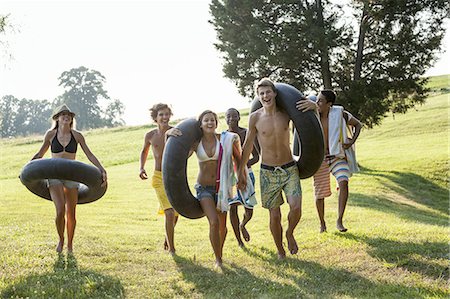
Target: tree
{"type": "Point", "coordinates": [24, 117]}
{"type": "Point", "coordinates": [7, 111]}
{"type": "Point", "coordinates": [313, 44]}
{"type": "Point", "coordinates": [84, 94]}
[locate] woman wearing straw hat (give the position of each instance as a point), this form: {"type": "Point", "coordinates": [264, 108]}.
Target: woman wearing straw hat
{"type": "Point", "coordinates": [63, 141]}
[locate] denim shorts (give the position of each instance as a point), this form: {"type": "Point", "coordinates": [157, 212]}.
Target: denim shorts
{"type": "Point", "coordinates": [204, 192]}
{"type": "Point", "coordinates": [65, 183]}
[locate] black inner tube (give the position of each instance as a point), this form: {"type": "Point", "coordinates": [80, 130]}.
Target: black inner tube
{"type": "Point", "coordinates": [174, 169]}
{"type": "Point", "coordinates": [35, 173]}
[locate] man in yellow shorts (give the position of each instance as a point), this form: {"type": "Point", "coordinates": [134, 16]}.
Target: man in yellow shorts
{"type": "Point", "coordinates": [160, 114]}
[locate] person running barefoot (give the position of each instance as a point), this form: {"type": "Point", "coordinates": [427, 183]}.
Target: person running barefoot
{"type": "Point", "coordinates": [279, 171]}
{"type": "Point", "coordinates": [215, 154]}
{"type": "Point", "coordinates": [63, 141]}
{"type": "Point", "coordinates": [155, 139]}
{"type": "Point", "coordinates": [232, 117]}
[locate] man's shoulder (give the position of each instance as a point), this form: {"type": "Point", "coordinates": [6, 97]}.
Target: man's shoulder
{"type": "Point", "coordinates": [151, 133]}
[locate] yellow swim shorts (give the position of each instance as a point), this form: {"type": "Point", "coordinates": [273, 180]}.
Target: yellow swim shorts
{"type": "Point", "coordinates": [157, 184]}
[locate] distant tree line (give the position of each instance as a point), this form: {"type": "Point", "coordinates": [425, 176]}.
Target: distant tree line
{"type": "Point", "coordinates": [83, 93]}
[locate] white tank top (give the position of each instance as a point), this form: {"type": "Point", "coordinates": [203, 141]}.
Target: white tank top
{"type": "Point", "coordinates": [202, 156]}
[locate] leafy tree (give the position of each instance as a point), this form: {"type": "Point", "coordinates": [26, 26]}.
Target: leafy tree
{"type": "Point", "coordinates": [7, 111]}
{"type": "Point", "coordinates": [24, 117]}
{"type": "Point", "coordinates": [114, 108]}
{"type": "Point", "coordinates": [84, 94]}
{"type": "Point", "coordinates": [374, 57]}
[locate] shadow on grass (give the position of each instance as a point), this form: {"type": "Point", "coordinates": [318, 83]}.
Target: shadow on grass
{"type": "Point", "coordinates": [414, 257]}
{"type": "Point", "coordinates": [401, 210]}
{"type": "Point", "coordinates": [415, 188]}
{"type": "Point", "coordinates": [290, 278]}
{"type": "Point", "coordinates": [66, 281]}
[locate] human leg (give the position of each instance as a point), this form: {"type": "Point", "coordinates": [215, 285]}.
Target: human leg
{"type": "Point", "coordinates": [209, 208]}
{"type": "Point", "coordinates": [277, 231]}
{"type": "Point", "coordinates": [293, 191]}
{"type": "Point", "coordinates": [295, 213]}
{"type": "Point", "coordinates": [222, 229]}
{"type": "Point", "coordinates": [234, 219]}
{"type": "Point", "coordinates": [320, 206]}
{"type": "Point", "coordinates": [322, 189]}
{"type": "Point", "coordinates": [170, 229]}
{"type": "Point", "coordinates": [343, 196]}
{"type": "Point", "coordinates": [71, 204]}
{"type": "Point", "coordinates": [57, 195]}
{"type": "Point", "coordinates": [248, 214]}
{"type": "Point", "coordinates": [340, 170]}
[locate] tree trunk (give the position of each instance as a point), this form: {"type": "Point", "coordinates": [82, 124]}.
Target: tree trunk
{"type": "Point", "coordinates": [360, 48]}
{"type": "Point", "coordinates": [323, 48]}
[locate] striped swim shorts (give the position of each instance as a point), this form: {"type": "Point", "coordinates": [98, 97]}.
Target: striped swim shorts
{"type": "Point", "coordinates": [321, 180]}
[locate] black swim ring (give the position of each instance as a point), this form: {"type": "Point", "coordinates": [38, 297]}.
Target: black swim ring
{"type": "Point", "coordinates": [35, 173]}
{"type": "Point", "coordinates": [174, 165]}
{"type": "Point", "coordinates": [308, 127]}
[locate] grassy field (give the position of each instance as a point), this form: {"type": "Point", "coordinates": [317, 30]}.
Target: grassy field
{"type": "Point", "coordinates": [397, 245]}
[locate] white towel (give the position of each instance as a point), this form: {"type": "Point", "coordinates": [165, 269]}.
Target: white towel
{"type": "Point", "coordinates": [336, 131]}
{"type": "Point", "coordinates": [228, 177]}
{"type": "Point", "coordinates": [337, 135]}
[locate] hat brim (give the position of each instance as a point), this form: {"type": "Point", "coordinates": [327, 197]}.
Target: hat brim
{"type": "Point", "coordinates": [57, 114]}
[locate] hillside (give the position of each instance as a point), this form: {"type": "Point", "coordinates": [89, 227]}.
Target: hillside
{"type": "Point", "coordinates": [396, 247]}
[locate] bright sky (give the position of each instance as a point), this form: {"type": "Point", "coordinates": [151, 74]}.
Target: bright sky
{"type": "Point", "coordinates": [149, 52]}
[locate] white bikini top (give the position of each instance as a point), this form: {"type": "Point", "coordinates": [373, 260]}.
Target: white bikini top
{"type": "Point", "coordinates": [202, 156]}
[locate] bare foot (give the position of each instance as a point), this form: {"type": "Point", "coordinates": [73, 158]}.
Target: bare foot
{"type": "Point", "coordinates": [292, 244]}
{"type": "Point", "coordinates": [218, 264]}
{"type": "Point", "coordinates": [166, 246]}
{"type": "Point", "coordinates": [323, 229]}
{"type": "Point", "coordinates": [59, 248]}
{"type": "Point", "coordinates": [281, 255]}
{"type": "Point", "coordinates": [340, 227]}
{"type": "Point", "coordinates": [69, 249]}
{"type": "Point", "coordinates": [245, 233]}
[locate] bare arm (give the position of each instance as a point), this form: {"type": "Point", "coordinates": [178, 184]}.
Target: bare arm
{"type": "Point", "coordinates": [246, 150]}
{"type": "Point", "coordinates": [144, 155]}
{"type": "Point", "coordinates": [255, 153]}
{"type": "Point", "coordinates": [45, 145]}
{"type": "Point", "coordinates": [304, 105]}
{"type": "Point", "coordinates": [356, 124]}
{"type": "Point", "coordinates": [91, 156]}
{"type": "Point", "coordinates": [237, 151]}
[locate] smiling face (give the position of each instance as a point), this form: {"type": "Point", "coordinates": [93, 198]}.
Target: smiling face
{"type": "Point", "coordinates": [232, 117]}
{"type": "Point", "coordinates": [208, 123]}
{"type": "Point", "coordinates": [266, 96]}
{"type": "Point", "coordinates": [163, 117]}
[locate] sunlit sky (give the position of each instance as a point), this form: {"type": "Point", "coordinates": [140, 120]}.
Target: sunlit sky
{"type": "Point", "coordinates": [149, 52]}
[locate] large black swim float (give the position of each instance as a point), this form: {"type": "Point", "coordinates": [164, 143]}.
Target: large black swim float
{"type": "Point", "coordinates": [174, 164]}
{"type": "Point", "coordinates": [35, 173]}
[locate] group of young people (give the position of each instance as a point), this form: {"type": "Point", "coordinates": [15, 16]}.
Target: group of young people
{"type": "Point", "coordinates": [218, 154]}
{"type": "Point", "coordinates": [267, 136]}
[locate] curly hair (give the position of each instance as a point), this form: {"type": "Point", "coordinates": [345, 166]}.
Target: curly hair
{"type": "Point", "coordinates": [157, 107]}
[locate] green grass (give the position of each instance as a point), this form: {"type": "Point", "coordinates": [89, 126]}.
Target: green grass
{"type": "Point", "coordinates": [397, 245]}
{"type": "Point", "coordinates": [440, 83]}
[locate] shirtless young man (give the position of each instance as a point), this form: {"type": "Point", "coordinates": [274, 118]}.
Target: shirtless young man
{"type": "Point", "coordinates": [279, 171]}
{"type": "Point", "coordinates": [161, 114]}
{"type": "Point", "coordinates": [232, 116]}
{"type": "Point", "coordinates": [334, 162]}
